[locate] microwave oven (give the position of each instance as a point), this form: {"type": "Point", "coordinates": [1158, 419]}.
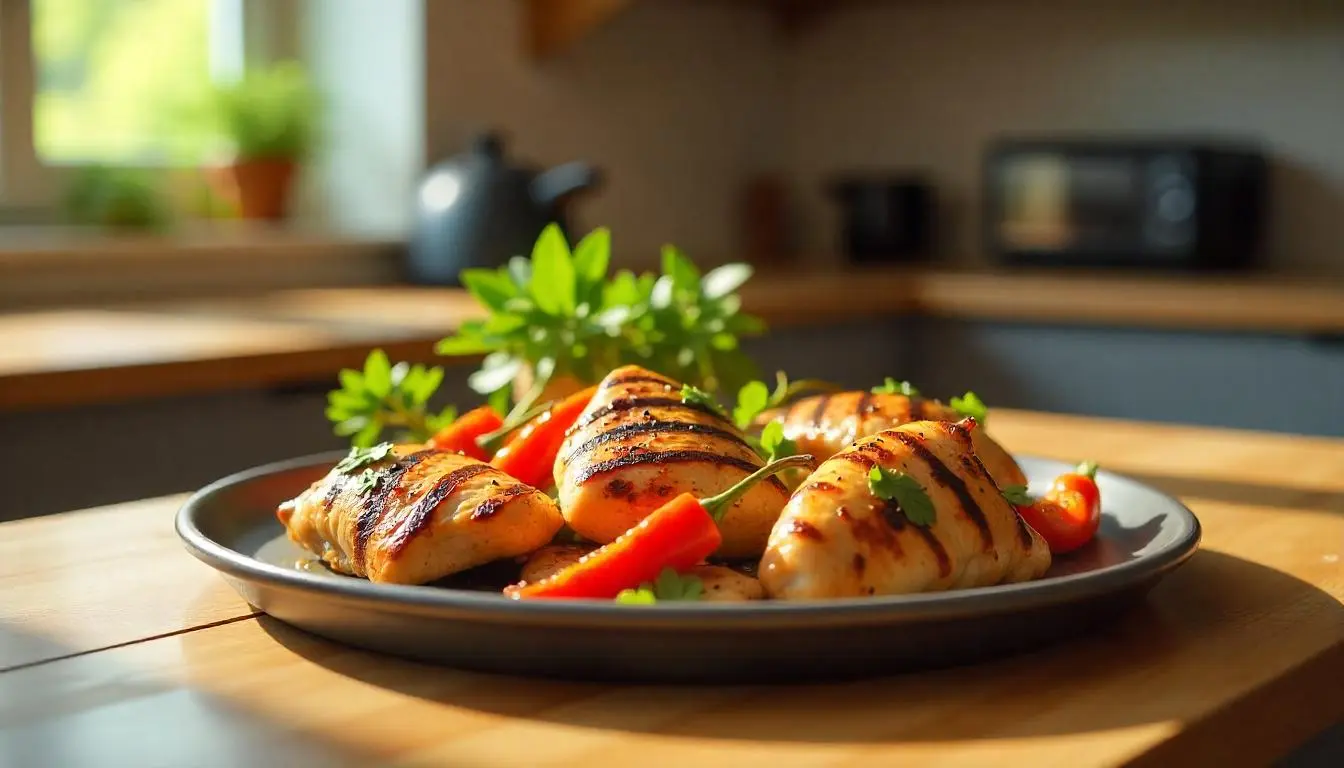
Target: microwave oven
{"type": "Point", "coordinates": [1151, 203]}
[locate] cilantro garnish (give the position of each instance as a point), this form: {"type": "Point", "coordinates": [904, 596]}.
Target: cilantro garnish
{"type": "Point", "coordinates": [905, 491]}
{"type": "Point", "coordinates": [358, 458]}
{"type": "Point", "coordinates": [694, 395]}
{"type": "Point", "coordinates": [1017, 495]}
{"type": "Point", "coordinates": [368, 481]}
{"type": "Point", "coordinates": [971, 405]}
{"type": "Point", "coordinates": [754, 398]}
{"type": "Point", "coordinates": [670, 586]}
{"type": "Point", "coordinates": [894, 387]}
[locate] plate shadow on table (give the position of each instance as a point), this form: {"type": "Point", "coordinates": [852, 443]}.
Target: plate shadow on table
{"type": "Point", "coordinates": [1212, 589]}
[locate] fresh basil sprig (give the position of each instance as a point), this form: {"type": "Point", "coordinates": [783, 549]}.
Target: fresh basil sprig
{"type": "Point", "coordinates": [384, 396]}
{"type": "Point", "coordinates": [560, 313]}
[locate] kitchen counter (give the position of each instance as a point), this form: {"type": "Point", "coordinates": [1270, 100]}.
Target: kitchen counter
{"type": "Point", "coordinates": [135, 653]}
{"type": "Point", "coordinates": [102, 354]}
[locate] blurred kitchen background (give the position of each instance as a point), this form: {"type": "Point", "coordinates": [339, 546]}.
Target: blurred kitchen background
{"type": "Point", "coordinates": [1126, 208]}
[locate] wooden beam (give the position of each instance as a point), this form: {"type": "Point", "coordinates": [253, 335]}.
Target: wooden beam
{"type": "Point", "coordinates": [552, 26]}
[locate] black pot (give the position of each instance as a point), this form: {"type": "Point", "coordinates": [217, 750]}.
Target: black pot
{"type": "Point", "coordinates": [885, 219]}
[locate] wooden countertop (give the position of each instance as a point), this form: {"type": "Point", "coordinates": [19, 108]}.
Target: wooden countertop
{"type": "Point", "coordinates": [102, 354]}
{"type": "Point", "coordinates": [116, 647]}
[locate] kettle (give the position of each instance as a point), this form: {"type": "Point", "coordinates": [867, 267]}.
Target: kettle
{"type": "Point", "coordinates": [477, 210]}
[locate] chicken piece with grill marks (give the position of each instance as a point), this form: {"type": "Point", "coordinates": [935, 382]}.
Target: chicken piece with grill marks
{"type": "Point", "coordinates": [638, 445]}
{"type": "Point", "coordinates": [823, 425]}
{"type": "Point", "coordinates": [836, 538]}
{"type": "Point", "coordinates": [421, 515]}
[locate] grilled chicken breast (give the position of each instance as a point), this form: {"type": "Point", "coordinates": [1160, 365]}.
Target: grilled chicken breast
{"type": "Point", "coordinates": [637, 446]}
{"type": "Point", "coordinates": [823, 425]}
{"type": "Point", "coordinates": [722, 584]}
{"type": "Point", "coordinates": [836, 539]}
{"type": "Point", "coordinates": [429, 515]}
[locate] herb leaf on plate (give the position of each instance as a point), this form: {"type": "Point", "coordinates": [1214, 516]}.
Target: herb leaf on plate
{"type": "Point", "coordinates": [670, 586]}
{"type": "Point", "coordinates": [774, 445]}
{"type": "Point", "coordinates": [903, 489]}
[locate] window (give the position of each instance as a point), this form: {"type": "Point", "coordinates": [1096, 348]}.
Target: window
{"type": "Point", "coordinates": [119, 82]}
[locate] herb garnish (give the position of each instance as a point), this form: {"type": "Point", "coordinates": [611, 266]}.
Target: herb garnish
{"type": "Point", "coordinates": [694, 395]}
{"type": "Point", "coordinates": [1017, 495]}
{"type": "Point", "coordinates": [905, 491]}
{"type": "Point", "coordinates": [894, 387]}
{"type": "Point", "coordinates": [359, 458]}
{"type": "Point", "coordinates": [384, 395]}
{"type": "Point", "coordinates": [560, 314]}
{"type": "Point", "coordinates": [368, 481]}
{"type": "Point", "coordinates": [971, 405]}
{"type": "Point", "coordinates": [669, 586]}
{"type": "Point", "coordinates": [754, 398]}
{"type": "Point", "coordinates": [774, 445]}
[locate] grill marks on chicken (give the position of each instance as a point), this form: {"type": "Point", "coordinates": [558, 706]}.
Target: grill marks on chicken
{"type": "Point", "coordinates": [638, 445]}
{"type": "Point", "coordinates": [823, 425]}
{"type": "Point", "coordinates": [836, 539]}
{"type": "Point", "coordinates": [430, 514]}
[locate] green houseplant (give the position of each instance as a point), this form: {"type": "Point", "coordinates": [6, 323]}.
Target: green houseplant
{"type": "Point", "coordinates": [271, 118]}
{"type": "Point", "coordinates": [115, 198]}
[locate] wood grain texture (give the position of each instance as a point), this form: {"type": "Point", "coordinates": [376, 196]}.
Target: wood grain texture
{"type": "Point", "coordinates": [98, 578]}
{"type": "Point", "coordinates": [77, 357]}
{"type": "Point", "coordinates": [1233, 659]}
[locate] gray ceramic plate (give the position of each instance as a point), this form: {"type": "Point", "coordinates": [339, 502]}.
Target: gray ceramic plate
{"type": "Point", "coordinates": [231, 525]}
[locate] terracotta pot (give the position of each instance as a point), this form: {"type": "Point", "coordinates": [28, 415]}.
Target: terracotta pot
{"type": "Point", "coordinates": [260, 187]}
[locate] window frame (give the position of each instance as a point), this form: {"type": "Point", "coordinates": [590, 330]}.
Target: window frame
{"type": "Point", "coordinates": [31, 186]}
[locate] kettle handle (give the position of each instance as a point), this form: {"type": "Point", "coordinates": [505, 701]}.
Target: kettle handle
{"type": "Point", "coordinates": [549, 187]}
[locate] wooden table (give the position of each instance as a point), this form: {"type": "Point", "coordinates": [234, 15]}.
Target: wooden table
{"type": "Point", "coordinates": [68, 357]}
{"type": "Point", "coordinates": [118, 648]}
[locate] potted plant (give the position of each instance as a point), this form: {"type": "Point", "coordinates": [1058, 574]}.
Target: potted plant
{"type": "Point", "coordinates": [270, 117]}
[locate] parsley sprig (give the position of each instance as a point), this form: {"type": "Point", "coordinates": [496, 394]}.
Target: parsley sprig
{"type": "Point", "coordinates": [383, 396]}
{"type": "Point", "coordinates": [560, 313]}
{"type": "Point", "coordinates": [903, 489]}
{"type": "Point", "coordinates": [359, 458]}
{"type": "Point", "coordinates": [694, 395]}
{"type": "Point", "coordinates": [670, 586]}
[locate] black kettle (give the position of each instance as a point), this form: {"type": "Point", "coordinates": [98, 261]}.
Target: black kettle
{"type": "Point", "coordinates": [477, 210]}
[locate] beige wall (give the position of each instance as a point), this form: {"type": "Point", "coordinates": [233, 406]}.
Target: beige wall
{"type": "Point", "coordinates": [924, 84]}
{"type": "Point", "coordinates": [679, 101]}
{"type": "Point", "coordinates": [674, 101]}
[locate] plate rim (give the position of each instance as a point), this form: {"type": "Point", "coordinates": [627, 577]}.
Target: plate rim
{"type": "Point", "coordinates": [851, 611]}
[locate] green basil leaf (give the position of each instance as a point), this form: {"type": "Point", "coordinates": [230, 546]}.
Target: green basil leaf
{"type": "Point", "coordinates": [367, 436]}
{"type": "Point", "coordinates": [426, 385]}
{"type": "Point", "coordinates": [553, 285]}
{"type": "Point", "coordinates": [352, 381]}
{"type": "Point", "coordinates": [489, 287]}
{"type": "Point", "coordinates": [378, 373]}
{"type": "Point", "coordinates": [592, 256]}
{"type": "Point", "coordinates": [752, 398]}
{"type": "Point", "coordinates": [721, 281]}
{"type": "Point", "coordinates": [622, 291]}
{"type": "Point", "coordinates": [463, 345]}
{"type": "Point", "coordinates": [520, 271]}
{"type": "Point", "coordinates": [685, 277]}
